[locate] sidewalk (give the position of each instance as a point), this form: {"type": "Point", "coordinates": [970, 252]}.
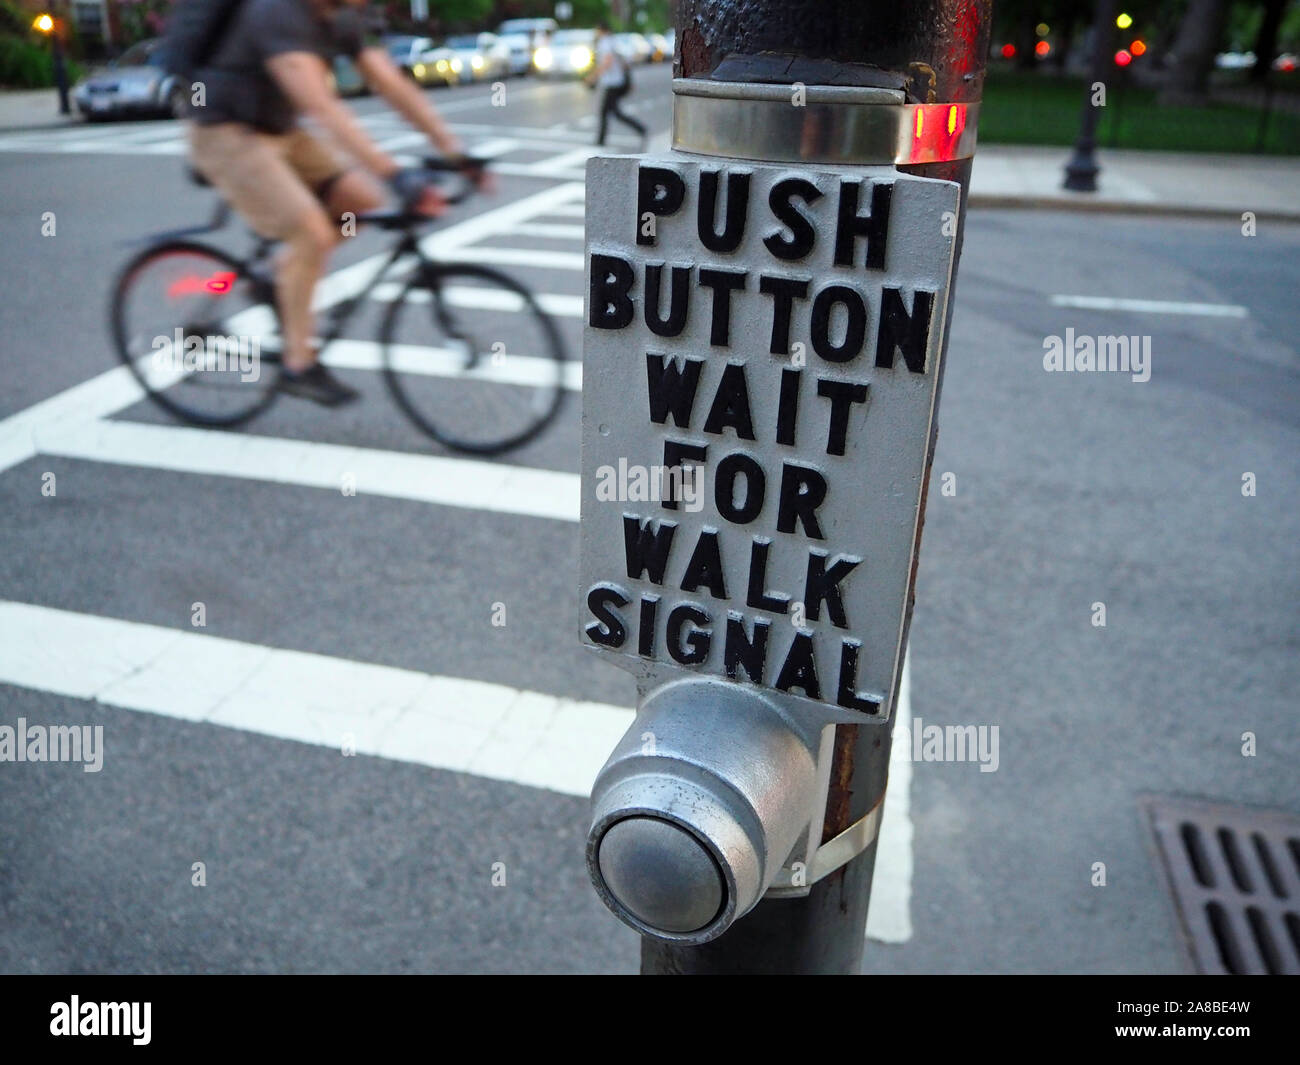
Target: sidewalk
{"type": "Point", "coordinates": [33, 109]}
{"type": "Point", "coordinates": [1140, 182]}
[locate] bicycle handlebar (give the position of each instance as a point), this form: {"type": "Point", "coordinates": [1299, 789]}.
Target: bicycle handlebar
{"type": "Point", "coordinates": [468, 168]}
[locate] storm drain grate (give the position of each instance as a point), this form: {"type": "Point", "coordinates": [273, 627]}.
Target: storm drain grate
{"type": "Point", "coordinates": [1234, 873]}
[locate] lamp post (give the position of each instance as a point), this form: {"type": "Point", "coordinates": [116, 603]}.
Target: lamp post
{"type": "Point", "coordinates": [46, 24]}
{"type": "Point", "coordinates": [1082, 169]}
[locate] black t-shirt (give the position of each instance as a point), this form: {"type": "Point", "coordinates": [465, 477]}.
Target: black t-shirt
{"type": "Point", "coordinates": [237, 84]}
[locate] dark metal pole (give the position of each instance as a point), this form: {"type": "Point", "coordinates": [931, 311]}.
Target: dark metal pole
{"type": "Point", "coordinates": [1082, 169]}
{"type": "Point", "coordinates": [60, 66]}
{"type": "Point", "coordinates": [934, 50]}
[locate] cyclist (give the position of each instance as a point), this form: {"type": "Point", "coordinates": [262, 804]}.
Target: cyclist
{"type": "Point", "coordinates": [271, 69]}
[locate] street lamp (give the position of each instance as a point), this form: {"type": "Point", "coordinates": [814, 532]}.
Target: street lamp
{"type": "Point", "coordinates": [44, 23]}
{"type": "Point", "coordinates": [1082, 169]}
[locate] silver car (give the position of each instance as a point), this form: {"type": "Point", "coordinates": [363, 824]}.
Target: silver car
{"type": "Point", "coordinates": [134, 84]}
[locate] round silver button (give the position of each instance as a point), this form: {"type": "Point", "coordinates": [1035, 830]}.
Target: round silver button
{"type": "Point", "coordinates": [661, 873]}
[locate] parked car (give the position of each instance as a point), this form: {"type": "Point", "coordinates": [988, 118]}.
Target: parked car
{"type": "Point", "coordinates": [570, 54]}
{"type": "Point", "coordinates": [519, 53]}
{"type": "Point", "coordinates": [133, 84]}
{"type": "Point", "coordinates": [426, 63]}
{"type": "Point", "coordinates": [481, 55]}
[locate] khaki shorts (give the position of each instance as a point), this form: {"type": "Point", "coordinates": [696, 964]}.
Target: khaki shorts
{"type": "Point", "coordinates": [273, 180]}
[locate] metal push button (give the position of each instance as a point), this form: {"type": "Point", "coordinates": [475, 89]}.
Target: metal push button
{"type": "Point", "coordinates": [662, 874]}
{"type": "Point", "coordinates": [698, 807]}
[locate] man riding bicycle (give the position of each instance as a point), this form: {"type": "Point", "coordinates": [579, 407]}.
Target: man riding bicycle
{"type": "Point", "coordinates": [270, 69]}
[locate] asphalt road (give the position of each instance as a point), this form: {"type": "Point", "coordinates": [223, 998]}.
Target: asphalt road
{"type": "Point", "coordinates": [452, 841]}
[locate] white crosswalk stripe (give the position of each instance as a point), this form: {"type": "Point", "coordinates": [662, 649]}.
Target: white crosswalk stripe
{"type": "Point", "coordinates": [466, 726]}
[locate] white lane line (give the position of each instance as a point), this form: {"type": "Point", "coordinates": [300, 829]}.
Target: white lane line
{"type": "Point", "coordinates": [102, 395]}
{"type": "Point", "coordinates": [535, 170]}
{"type": "Point", "coordinates": [559, 230]}
{"type": "Point", "coordinates": [1107, 303]}
{"type": "Point", "coordinates": [889, 918]}
{"type": "Point", "coordinates": [491, 148]}
{"type": "Point", "coordinates": [547, 260]}
{"type": "Point", "coordinates": [483, 299]}
{"type": "Point", "coordinates": [567, 160]}
{"type": "Point", "coordinates": [444, 362]}
{"type": "Point", "coordinates": [532, 137]}
{"type": "Point", "coordinates": [458, 482]}
{"type": "Point", "coordinates": [570, 210]}
{"type": "Point", "coordinates": [464, 726]}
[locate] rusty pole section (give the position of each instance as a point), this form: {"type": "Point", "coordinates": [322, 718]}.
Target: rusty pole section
{"type": "Point", "coordinates": [935, 51]}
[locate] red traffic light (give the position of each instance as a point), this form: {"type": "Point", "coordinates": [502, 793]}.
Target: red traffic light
{"type": "Point", "coordinates": [1123, 58]}
{"type": "Point", "coordinates": [1008, 51]}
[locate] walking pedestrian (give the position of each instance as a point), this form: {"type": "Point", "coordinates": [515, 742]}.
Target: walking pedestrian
{"type": "Point", "coordinates": [614, 77]}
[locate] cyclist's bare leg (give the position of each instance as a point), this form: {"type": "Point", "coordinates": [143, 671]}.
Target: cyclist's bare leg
{"type": "Point", "coordinates": [301, 265]}
{"type": "Point", "coordinates": [355, 192]}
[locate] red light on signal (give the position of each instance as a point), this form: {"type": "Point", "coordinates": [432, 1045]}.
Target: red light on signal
{"type": "Point", "coordinates": [1123, 58]}
{"type": "Point", "coordinates": [936, 133]}
{"type": "Point", "coordinates": [1138, 48]}
{"type": "Point", "coordinates": [1041, 49]}
{"type": "Point", "coordinates": [1008, 51]}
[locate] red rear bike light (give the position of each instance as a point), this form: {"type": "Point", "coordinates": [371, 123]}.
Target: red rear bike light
{"type": "Point", "coordinates": [219, 283]}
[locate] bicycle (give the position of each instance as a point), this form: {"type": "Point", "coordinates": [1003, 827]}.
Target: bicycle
{"type": "Point", "coordinates": [202, 356]}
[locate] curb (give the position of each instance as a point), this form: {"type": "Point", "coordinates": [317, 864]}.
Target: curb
{"type": "Point", "coordinates": [67, 123]}
{"type": "Point", "coordinates": [1139, 207]}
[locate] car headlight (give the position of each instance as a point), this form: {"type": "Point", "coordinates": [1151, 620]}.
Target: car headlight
{"type": "Point", "coordinates": [543, 59]}
{"type": "Point", "coordinates": [456, 66]}
{"type": "Point", "coordinates": [418, 70]}
{"type": "Point", "coordinates": [441, 66]}
{"type": "Point", "coordinates": [581, 58]}
{"type": "Point", "coordinates": [477, 62]}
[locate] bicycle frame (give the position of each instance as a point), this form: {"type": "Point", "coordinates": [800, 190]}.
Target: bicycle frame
{"type": "Point", "coordinates": [338, 316]}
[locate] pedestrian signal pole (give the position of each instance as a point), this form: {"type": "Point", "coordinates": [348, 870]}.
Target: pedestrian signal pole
{"type": "Point", "coordinates": [768, 306]}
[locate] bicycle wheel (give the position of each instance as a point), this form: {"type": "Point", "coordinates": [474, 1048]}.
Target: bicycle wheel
{"type": "Point", "coordinates": [199, 334]}
{"type": "Point", "coordinates": [472, 359]}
